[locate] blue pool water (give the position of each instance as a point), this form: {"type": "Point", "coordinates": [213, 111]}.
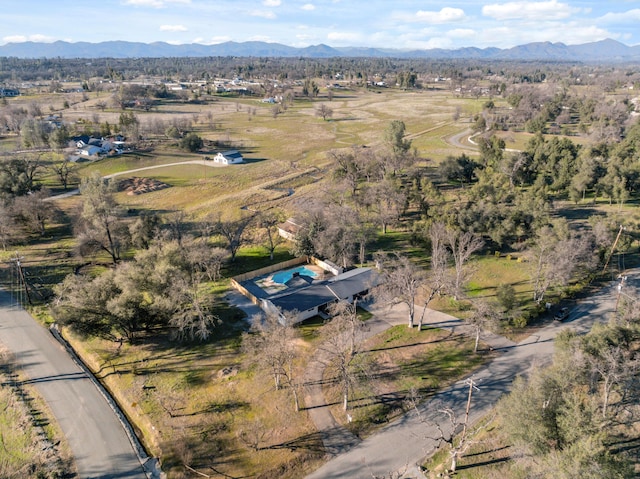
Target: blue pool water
{"type": "Point", "coordinates": [283, 276]}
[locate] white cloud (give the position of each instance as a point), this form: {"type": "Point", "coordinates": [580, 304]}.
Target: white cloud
{"type": "Point", "coordinates": [260, 38]}
{"type": "Point", "coordinates": [27, 38]}
{"type": "Point", "coordinates": [343, 36]}
{"type": "Point", "coordinates": [571, 33]}
{"type": "Point", "coordinates": [631, 16]}
{"type": "Point", "coordinates": [154, 3]}
{"type": "Point", "coordinates": [446, 15]}
{"type": "Point", "coordinates": [436, 42]}
{"type": "Point", "coordinates": [212, 40]}
{"type": "Point", "coordinates": [173, 28]}
{"type": "Point", "coordinates": [536, 11]}
{"type": "Point", "coordinates": [272, 3]}
{"type": "Point", "coordinates": [461, 33]}
{"type": "Point", "coordinates": [263, 13]}
{"type": "Point", "coordinates": [308, 7]}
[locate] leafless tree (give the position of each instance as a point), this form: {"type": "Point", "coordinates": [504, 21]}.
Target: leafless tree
{"type": "Point", "coordinates": [324, 111]}
{"type": "Point", "coordinates": [436, 279]}
{"type": "Point", "coordinates": [267, 230]}
{"type": "Point", "coordinates": [338, 239]}
{"type": "Point", "coordinates": [100, 225]}
{"type": "Point", "coordinates": [34, 212]}
{"type": "Point", "coordinates": [556, 257]}
{"type": "Point", "coordinates": [7, 226]}
{"type": "Point", "coordinates": [483, 317]}
{"type": "Point", "coordinates": [386, 203]}
{"type": "Point", "coordinates": [449, 424]}
{"type": "Point", "coordinates": [462, 246]}
{"type": "Point", "coordinates": [401, 284]}
{"type": "Point", "coordinates": [65, 171]}
{"type": "Point", "coordinates": [233, 232]}
{"type": "Point", "coordinates": [271, 345]}
{"type": "Point", "coordinates": [342, 343]}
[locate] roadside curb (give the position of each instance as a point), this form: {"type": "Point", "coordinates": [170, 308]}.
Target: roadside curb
{"type": "Point", "coordinates": [150, 465]}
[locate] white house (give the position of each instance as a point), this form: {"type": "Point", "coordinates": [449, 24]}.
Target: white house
{"type": "Point", "coordinates": [90, 150]}
{"type": "Point", "coordinates": [229, 157]}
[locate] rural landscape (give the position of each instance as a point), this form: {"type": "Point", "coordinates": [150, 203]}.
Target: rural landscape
{"type": "Point", "coordinates": [437, 212]}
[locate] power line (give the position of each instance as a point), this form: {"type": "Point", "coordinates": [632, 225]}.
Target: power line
{"type": "Point", "coordinates": [21, 283]}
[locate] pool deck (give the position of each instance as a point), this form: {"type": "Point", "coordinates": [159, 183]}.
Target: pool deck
{"type": "Point", "coordinates": [268, 289]}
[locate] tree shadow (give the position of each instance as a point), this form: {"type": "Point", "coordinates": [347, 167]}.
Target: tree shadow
{"type": "Point", "coordinates": [420, 343]}
{"type": "Point", "coordinates": [484, 463]}
{"type": "Point", "coordinates": [309, 442]}
{"type": "Point", "coordinates": [218, 408]}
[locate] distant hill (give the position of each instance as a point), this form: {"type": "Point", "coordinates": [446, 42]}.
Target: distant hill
{"type": "Point", "coordinates": [605, 50]}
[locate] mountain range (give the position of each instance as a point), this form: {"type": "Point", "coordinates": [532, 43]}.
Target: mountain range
{"type": "Point", "coordinates": [601, 51]}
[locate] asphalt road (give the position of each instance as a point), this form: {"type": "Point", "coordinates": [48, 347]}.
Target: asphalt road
{"type": "Point", "coordinates": [97, 439]}
{"type": "Point", "coordinates": [402, 444]}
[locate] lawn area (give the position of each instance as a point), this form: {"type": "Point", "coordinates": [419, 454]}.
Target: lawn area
{"type": "Point", "coordinates": [491, 271]}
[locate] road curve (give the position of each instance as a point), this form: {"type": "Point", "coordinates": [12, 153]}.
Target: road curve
{"type": "Point", "coordinates": [96, 437]}
{"type": "Point", "coordinates": [404, 444]}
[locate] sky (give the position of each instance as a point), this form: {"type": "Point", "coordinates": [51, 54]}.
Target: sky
{"type": "Point", "coordinates": [401, 24]}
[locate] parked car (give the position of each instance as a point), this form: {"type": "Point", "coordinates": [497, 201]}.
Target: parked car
{"type": "Point", "coordinates": [562, 314]}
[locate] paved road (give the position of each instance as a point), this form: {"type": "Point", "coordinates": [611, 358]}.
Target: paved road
{"type": "Point", "coordinates": [403, 444]}
{"type": "Point", "coordinates": [97, 439]}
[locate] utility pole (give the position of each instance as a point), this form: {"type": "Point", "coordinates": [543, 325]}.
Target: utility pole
{"type": "Point", "coordinates": [613, 248]}
{"type": "Point", "coordinates": [472, 385]}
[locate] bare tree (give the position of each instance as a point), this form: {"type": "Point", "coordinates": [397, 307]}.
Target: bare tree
{"type": "Point", "coordinates": [7, 226]}
{"type": "Point", "coordinates": [450, 423]}
{"type": "Point", "coordinates": [462, 246]}
{"type": "Point", "coordinates": [436, 278]}
{"type": "Point", "coordinates": [271, 346]}
{"type": "Point", "coordinates": [65, 171]}
{"type": "Point", "coordinates": [342, 344]}
{"type": "Point", "coordinates": [34, 211]}
{"type": "Point", "coordinates": [483, 317]}
{"type": "Point", "coordinates": [324, 111]}
{"type": "Point", "coordinates": [233, 232]}
{"type": "Point", "coordinates": [100, 225]}
{"type": "Point", "coordinates": [267, 231]}
{"type": "Point", "coordinates": [386, 201]}
{"type": "Point", "coordinates": [556, 257]}
{"type": "Point", "coordinates": [401, 284]}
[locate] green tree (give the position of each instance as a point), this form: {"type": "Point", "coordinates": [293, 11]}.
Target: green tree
{"type": "Point", "coordinates": [394, 138]}
{"type": "Point", "coordinates": [191, 142]}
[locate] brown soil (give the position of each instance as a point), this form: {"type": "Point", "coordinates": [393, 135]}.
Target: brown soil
{"type": "Point", "coordinates": [139, 186]}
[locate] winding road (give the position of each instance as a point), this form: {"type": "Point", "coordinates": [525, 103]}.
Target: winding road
{"type": "Point", "coordinates": [99, 443]}
{"type": "Point", "coordinates": [404, 444]}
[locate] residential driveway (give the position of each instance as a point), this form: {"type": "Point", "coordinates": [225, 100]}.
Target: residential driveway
{"type": "Point", "coordinates": [404, 444]}
{"type": "Point", "coordinates": [97, 439]}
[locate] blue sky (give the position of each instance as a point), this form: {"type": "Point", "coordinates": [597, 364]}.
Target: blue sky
{"type": "Point", "coordinates": [376, 23]}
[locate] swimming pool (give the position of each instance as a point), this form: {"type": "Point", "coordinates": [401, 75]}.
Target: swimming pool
{"type": "Point", "coordinates": [282, 277]}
